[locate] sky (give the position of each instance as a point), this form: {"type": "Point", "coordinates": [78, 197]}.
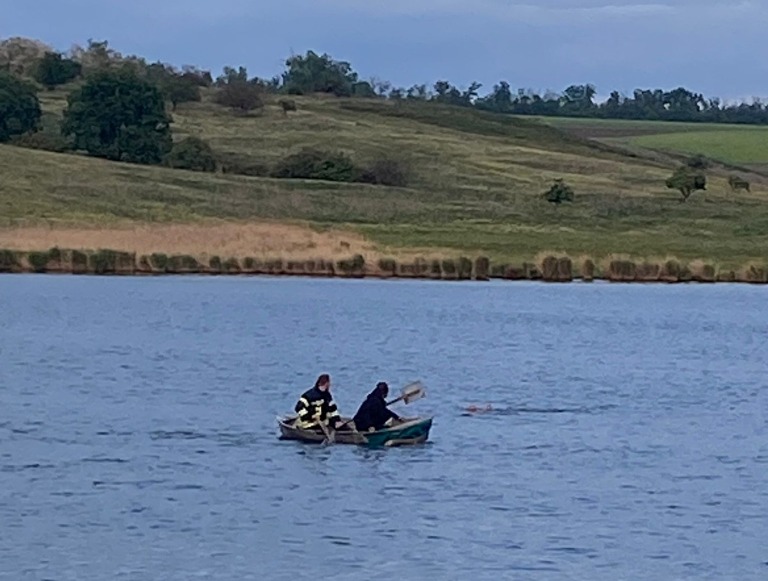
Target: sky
{"type": "Point", "coordinates": [715, 47]}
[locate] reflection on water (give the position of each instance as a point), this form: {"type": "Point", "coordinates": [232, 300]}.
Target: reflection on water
{"type": "Point", "coordinates": [626, 437]}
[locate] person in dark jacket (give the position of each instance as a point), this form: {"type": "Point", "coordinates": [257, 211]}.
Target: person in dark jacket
{"type": "Point", "coordinates": [316, 405]}
{"type": "Point", "coordinates": [374, 413]}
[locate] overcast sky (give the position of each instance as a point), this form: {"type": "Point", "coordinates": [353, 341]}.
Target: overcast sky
{"type": "Point", "coordinates": [716, 47]}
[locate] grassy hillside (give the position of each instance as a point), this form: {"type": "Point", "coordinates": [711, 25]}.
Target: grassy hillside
{"type": "Point", "coordinates": [475, 186]}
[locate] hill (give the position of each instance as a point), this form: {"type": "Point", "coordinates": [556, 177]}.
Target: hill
{"type": "Point", "coordinates": [475, 184]}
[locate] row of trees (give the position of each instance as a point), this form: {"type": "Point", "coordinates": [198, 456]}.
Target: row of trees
{"type": "Point", "coordinates": [316, 73]}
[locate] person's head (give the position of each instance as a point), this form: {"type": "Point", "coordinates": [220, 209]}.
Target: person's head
{"type": "Point", "coordinates": [382, 388]}
{"type": "Point", "coordinates": [323, 382]}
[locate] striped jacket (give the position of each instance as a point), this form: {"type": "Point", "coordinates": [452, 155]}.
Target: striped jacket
{"type": "Point", "coordinates": [314, 405]}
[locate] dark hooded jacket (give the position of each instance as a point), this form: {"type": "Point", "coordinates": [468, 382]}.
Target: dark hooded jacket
{"type": "Point", "coordinates": [373, 412]}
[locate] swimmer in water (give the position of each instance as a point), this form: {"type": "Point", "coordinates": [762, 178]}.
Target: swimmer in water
{"type": "Point", "coordinates": [473, 409]}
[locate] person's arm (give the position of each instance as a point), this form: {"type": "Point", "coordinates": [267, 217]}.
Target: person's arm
{"type": "Point", "coordinates": [333, 412]}
{"type": "Point", "coordinates": [302, 409]}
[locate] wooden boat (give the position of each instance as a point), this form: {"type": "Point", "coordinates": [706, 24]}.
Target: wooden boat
{"type": "Point", "coordinates": [406, 432]}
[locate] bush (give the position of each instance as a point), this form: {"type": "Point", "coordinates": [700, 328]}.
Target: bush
{"type": "Point", "coordinates": [159, 261]}
{"type": "Point", "coordinates": [385, 172]}
{"type": "Point", "coordinates": [242, 165]}
{"type": "Point", "coordinates": [192, 153]}
{"type": "Point", "coordinates": [38, 261]}
{"type": "Point", "coordinates": [43, 141]}
{"type": "Point", "coordinates": [559, 192]}
{"type": "Point", "coordinates": [698, 161]}
{"type": "Point", "coordinates": [316, 164]}
{"type": "Point", "coordinates": [482, 268]}
{"type": "Point", "coordinates": [464, 268]}
{"type": "Point", "coordinates": [9, 260]}
{"type": "Point", "coordinates": [686, 181]}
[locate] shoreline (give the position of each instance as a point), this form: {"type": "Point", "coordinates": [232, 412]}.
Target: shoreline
{"type": "Point", "coordinates": [551, 268]}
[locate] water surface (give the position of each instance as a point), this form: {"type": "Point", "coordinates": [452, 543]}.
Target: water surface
{"type": "Point", "coordinates": [138, 436]}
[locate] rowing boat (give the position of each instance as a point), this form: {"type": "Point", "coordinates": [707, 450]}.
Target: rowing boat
{"type": "Point", "coordinates": [406, 432]}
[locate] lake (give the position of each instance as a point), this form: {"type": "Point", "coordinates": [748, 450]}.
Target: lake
{"type": "Point", "coordinates": [138, 438]}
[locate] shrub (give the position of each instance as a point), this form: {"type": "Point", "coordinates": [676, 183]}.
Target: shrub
{"type": "Point", "coordinates": [38, 261]}
{"type": "Point", "coordinates": [79, 262]}
{"type": "Point", "coordinates": [183, 263]}
{"type": "Point", "coordinates": [242, 165]}
{"type": "Point", "coordinates": [449, 266]}
{"type": "Point", "coordinates": [316, 164]}
{"type": "Point", "coordinates": [42, 140]}
{"type": "Point", "coordinates": [159, 261]}
{"type": "Point", "coordinates": [388, 265]}
{"type": "Point", "coordinates": [482, 268]}
{"type": "Point", "coordinates": [215, 263]}
{"type": "Point", "coordinates": [464, 268]}
{"type": "Point", "coordinates": [686, 181]}
{"type": "Point", "coordinates": [231, 265]}
{"type": "Point", "coordinates": [192, 153]}
{"type": "Point", "coordinates": [559, 192]}
{"type": "Point", "coordinates": [698, 161]}
{"type": "Point", "coordinates": [355, 265]}
{"type": "Point", "coordinates": [8, 260]}
{"type": "Point", "coordinates": [385, 172]}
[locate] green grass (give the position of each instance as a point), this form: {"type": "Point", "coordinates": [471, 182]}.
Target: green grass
{"type": "Point", "coordinates": [733, 144]}
{"type": "Point", "coordinates": [475, 181]}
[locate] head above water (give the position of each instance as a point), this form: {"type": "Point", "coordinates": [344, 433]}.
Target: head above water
{"type": "Point", "coordinates": [323, 382]}
{"type": "Point", "coordinates": [382, 388]}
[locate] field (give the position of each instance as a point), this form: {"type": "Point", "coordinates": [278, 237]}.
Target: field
{"type": "Point", "coordinates": [738, 145]}
{"type": "Point", "coordinates": [475, 188]}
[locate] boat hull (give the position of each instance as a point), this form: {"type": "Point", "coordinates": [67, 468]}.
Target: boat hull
{"type": "Point", "coordinates": [406, 433]}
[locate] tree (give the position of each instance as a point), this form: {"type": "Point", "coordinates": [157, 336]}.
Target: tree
{"type": "Point", "coordinates": [686, 180]}
{"type": "Point", "coordinates": [237, 92]}
{"type": "Point", "coordinates": [53, 70]}
{"type": "Point", "coordinates": [19, 107]}
{"type": "Point", "coordinates": [315, 73]}
{"type": "Point", "coordinates": [180, 89]}
{"type": "Point", "coordinates": [559, 192]}
{"type": "Point", "coordinates": [192, 153]}
{"type": "Point", "coordinates": [118, 116]}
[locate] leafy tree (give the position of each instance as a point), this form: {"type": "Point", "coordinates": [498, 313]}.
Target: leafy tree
{"type": "Point", "coordinates": [315, 73]}
{"type": "Point", "coordinates": [180, 89]}
{"type": "Point", "coordinates": [686, 180]}
{"type": "Point", "coordinates": [192, 153]}
{"type": "Point", "coordinates": [559, 192]}
{"type": "Point", "coordinates": [19, 107]}
{"type": "Point", "coordinates": [53, 70]}
{"type": "Point", "coordinates": [118, 116]}
{"type": "Point", "coordinates": [238, 92]}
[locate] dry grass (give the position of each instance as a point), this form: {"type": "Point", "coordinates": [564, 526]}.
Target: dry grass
{"type": "Point", "coordinates": [260, 240]}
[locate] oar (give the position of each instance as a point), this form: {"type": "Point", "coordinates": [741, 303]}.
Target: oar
{"type": "Point", "coordinates": [411, 392]}
{"type": "Point", "coordinates": [329, 435]}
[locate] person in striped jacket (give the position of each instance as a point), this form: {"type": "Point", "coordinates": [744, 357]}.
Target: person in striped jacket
{"type": "Point", "coordinates": [317, 405]}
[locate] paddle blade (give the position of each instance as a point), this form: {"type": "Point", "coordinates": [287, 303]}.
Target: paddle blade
{"type": "Point", "coordinates": [413, 391]}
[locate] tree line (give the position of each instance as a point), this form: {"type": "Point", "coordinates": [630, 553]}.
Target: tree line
{"type": "Point", "coordinates": [320, 73]}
